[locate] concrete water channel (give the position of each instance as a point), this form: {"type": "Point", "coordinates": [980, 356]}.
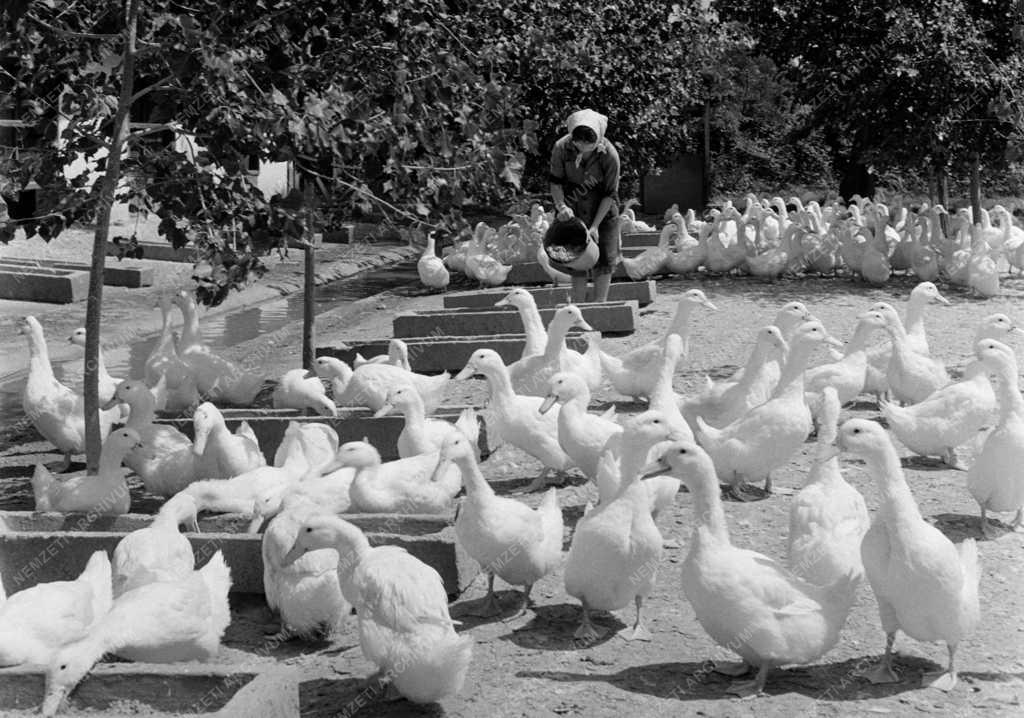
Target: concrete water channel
{"type": "Point", "coordinates": [220, 331]}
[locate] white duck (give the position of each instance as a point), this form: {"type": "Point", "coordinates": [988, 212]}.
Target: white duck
{"type": "Point", "coordinates": [516, 418]}
{"type": "Point", "coordinates": [508, 539]}
{"type": "Point", "coordinates": [106, 384]}
{"type": "Point", "coordinates": [721, 403]}
{"type": "Point", "coordinates": [746, 601]}
{"type": "Point", "coordinates": [911, 376]}
{"type": "Point", "coordinates": [337, 372]}
{"type": "Point", "coordinates": [163, 622]}
{"type": "Point", "coordinates": [221, 453]}
{"type": "Point", "coordinates": [431, 268]}
{"type": "Point", "coordinates": [768, 435]}
{"type": "Point", "coordinates": [530, 374]}
{"type": "Point", "coordinates": [216, 378]}
{"type": "Point", "coordinates": [304, 592]}
{"type": "Point", "coordinates": [663, 397]}
{"type": "Point", "coordinates": [398, 355]}
{"type": "Point", "coordinates": [237, 493]}
{"type": "Point", "coordinates": [925, 586]}
{"type": "Point", "coordinates": [158, 552]}
{"type": "Point", "coordinates": [652, 259]}
{"type": "Point", "coordinates": [995, 480]}
{"type": "Point", "coordinates": [404, 625]}
{"type": "Point", "coordinates": [616, 547]}
{"type": "Point", "coordinates": [790, 316]}
{"type": "Point", "coordinates": [421, 435]}
{"type": "Point", "coordinates": [846, 376]}
{"type": "Point", "coordinates": [166, 462]}
{"type": "Point", "coordinates": [37, 621]}
{"type": "Point", "coordinates": [955, 413]}
{"type": "Point", "coordinates": [370, 383]}
{"type": "Point", "coordinates": [57, 412]}
{"type": "Point", "coordinates": [533, 325]}
{"type": "Point", "coordinates": [302, 389]}
{"type": "Point", "coordinates": [403, 486]}
{"type": "Point", "coordinates": [828, 517]}
{"type": "Point", "coordinates": [581, 435]}
{"type": "Point", "coordinates": [879, 356]}
{"type": "Point", "coordinates": [164, 364]}
{"type": "Point", "coordinates": [635, 373]}
{"type": "Point", "coordinates": [104, 493]}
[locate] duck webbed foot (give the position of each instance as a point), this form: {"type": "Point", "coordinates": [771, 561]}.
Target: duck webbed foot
{"type": "Point", "coordinates": [639, 631]}
{"type": "Point", "coordinates": [752, 688]}
{"type": "Point", "coordinates": [587, 633]}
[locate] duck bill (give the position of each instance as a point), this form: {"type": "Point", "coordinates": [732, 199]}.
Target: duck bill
{"type": "Point", "coordinates": [942, 299]}
{"type": "Point", "coordinates": [549, 401]}
{"type": "Point", "coordinates": [192, 524]}
{"type": "Point", "coordinates": [52, 701]}
{"type": "Point", "coordinates": [1016, 330]}
{"type": "Point", "coordinates": [294, 554]}
{"type": "Point", "coordinates": [468, 371]}
{"type": "Point", "coordinates": [707, 303]}
{"type": "Point", "coordinates": [110, 404]}
{"type": "Point", "coordinates": [503, 302]}
{"type": "Point", "coordinates": [832, 341]}
{"type": "Point", "coordinates": [441, 469]}
{"type": "Point", "coordinates": [383, 411]}
{"type": "Point", "coordinates": [256, 523]}
{"type": "Point", "coordinates": [199, 444]}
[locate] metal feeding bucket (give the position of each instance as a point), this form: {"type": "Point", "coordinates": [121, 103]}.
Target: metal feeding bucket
{"type": "Point", "coordinates": [568, 244]}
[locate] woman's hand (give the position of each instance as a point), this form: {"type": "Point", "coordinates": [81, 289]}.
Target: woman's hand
{"type": "Point", "coordinates": [593, 234]}
{"type": "Point", "coordinates": [564, 214]}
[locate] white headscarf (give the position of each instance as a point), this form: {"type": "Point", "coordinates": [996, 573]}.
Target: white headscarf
{"type": "Point", "coordinates": [595, 121]}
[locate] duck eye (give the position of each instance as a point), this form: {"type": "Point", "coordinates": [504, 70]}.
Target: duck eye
{"type": "Point", "coordinates": [856, 431]}
{"type": "Point", "coordinates": [64, 666]}
{"type": "Point", "coordinates": [682, 451]}
{"type": "Point", "coordinates": [309, 529]}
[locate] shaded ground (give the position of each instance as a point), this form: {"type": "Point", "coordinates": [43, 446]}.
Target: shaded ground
{"type": "Point", "coordinates": [529, 666]}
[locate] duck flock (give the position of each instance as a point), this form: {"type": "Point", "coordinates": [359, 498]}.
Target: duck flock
{"type": "Point", "coordinates": [771, 238]}
{"type": "Point", "coordinates": [148, 602]}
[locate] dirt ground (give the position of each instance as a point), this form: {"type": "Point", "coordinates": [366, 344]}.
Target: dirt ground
{"type": "Point", "coordinates": [529, 666]}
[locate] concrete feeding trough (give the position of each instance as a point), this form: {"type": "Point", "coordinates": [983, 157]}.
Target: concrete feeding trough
{"type": "Point", "coordinates": [352, 424]}
{"type": "Point", "coordinates": [37, 547]}
{"type": "Point", "coordinates": [606, 317]}
{"type": "Point", "coordinates": [115, 274]}
{"type": "Point", "coordinates": [533, 273]}
{"type": "Point", "coordinates": [159, 251]}
{"type": "Point", "coordinates": [133, 689]}
{"type": "Point", "coordinates": [640, 239]}
{"type": "Point", "coordinates": [643, 293]}
{"type": "Point", "coordinates": [443, 353]}
{"type": "Point", "coordinates": [43, 284]}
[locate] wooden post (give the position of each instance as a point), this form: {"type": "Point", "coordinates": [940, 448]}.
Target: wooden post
{"type": "Point", "coordinates": [707, 152]}
{"type": "Point", "coordinates": [976, 187]}
{"type": "Point", "coordinates": [308, 306]}
{"type": "Point", "coordinates": [105, 201]}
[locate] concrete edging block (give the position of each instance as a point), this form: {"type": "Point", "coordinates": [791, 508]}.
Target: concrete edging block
{"type": "Point", "coordinates": [642, 292]}
{"type": "Point", "coordinates": [351, 425]}
{"type": "Point", "coordinates": [29, 555]}
{"type": "Point", "coordinates": [640, 239]}
{"type": "Point", "coordinates": [159, 251]}
{"type": "Point", "coordinates": [533, 273]}
{"type": "Point", "coordinates": [43, 284]}
{"type": "Point", "coordinates": [437, 354]}
{"type": "Point", "coordinates": [114, 275]}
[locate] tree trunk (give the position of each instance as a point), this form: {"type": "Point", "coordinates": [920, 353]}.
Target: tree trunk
{"type": "Point", "coordinates": [308, 306]}
{"type": "Point", "coordinates": [976, 187]}
{"type": "Point", "coordinates": [105, 200]}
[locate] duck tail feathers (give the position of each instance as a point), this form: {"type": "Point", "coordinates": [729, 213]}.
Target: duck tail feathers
{"type": "Point", "coordinates": [97, 574]}
{"type": "Point", "coordinates": [438, 673]}
{"type": "Point", "coordinates": [42, 482]}
{"type": "Point", "coordinates": [469, 426]}
{"type": "Point", "coordinates": [216, 576]}
{"type": "Point", "coordinates": [705, 432]}
{"type": "Point", "coordinates": [609, 363]}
